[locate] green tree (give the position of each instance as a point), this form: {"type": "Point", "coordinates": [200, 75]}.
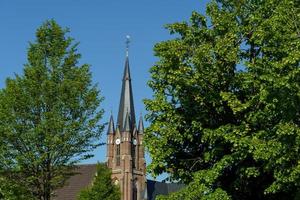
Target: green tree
{"type": "Point", "coordinates": [49, 115]}
{"type": "Point", "coordinates": [102, 186]}
{"type": "Point", "coordinates": [11, 190]}
{"type": "Point", "coordinates": [225, 112]}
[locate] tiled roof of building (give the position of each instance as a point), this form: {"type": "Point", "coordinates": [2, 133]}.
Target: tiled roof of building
{"type": "Point", "coordinates": [83, 178]}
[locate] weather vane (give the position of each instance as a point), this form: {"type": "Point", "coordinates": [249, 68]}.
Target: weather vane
{"type": "Point", "coordinates": [127, 44]}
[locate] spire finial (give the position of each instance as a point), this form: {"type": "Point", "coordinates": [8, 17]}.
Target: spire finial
{"type": "Point", "coordinates": [127, 44]}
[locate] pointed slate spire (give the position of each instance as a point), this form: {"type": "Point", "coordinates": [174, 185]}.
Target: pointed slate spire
{"type": "Point", "coordinates": [141, 125]}
{"type": "Point", "coordinates": [111, 127]}
{"type": "Point", "coordinates": [126, 99]}
{"type": "Point", "coordinates": [127, 124]}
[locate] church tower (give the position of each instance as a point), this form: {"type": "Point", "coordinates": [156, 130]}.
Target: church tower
{"type": "Point", "coordinates": [125, 151]}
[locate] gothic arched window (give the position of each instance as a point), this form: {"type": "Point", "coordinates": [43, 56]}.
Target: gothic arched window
{"type": "Point", "coordinates": [133, 153]}
{"type": "Point", "coordinates": [118, 155]}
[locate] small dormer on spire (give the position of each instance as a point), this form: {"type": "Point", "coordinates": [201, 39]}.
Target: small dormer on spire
{"type": "Point", "coordinates": [141, 125]}
{"type": "Point", "coordinates": [111, 127]}
{"type": "Point", "coordinates": [127, 124]}
{"type": "Point", "coordinates": [118, 134]}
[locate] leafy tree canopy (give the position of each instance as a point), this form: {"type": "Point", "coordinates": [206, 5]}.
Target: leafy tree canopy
{"type": "Point", "coordinates": [225, 112]}
{"type": "Point", "coordinates": [102, 187]}
{"type": "Point", "coordinates": [49, 115]}
{"type": "Point", "coordinates": [11, 190]}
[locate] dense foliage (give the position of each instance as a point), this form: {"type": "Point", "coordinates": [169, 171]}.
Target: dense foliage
{"type": "Point", "coordinates": [12, 190]}
{"type": "Point", "coordinates": [225, 114]}
{"type": "Point", "coordinates": [49, 115]}
{"type": "Point", "coordinates": [102, 186]}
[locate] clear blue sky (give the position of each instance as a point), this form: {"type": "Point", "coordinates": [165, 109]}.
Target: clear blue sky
{"type": "Point", "coordinates": [100, 26]}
